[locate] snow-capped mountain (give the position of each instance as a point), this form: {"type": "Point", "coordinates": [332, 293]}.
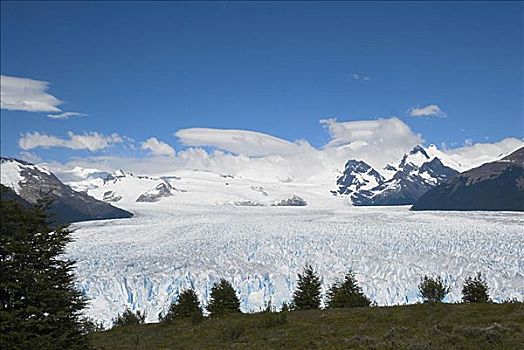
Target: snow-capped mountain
{"type": "Point", "coordinates": [416, 173]}
{"type": "Point", "coordinates": [395, 184]}
{"type": "Point", "coordinates": [416, 157]}
{"type": "Point", "coordinates": [33, 183]}
{"type": "Point", "coordinates": [124, 186]}
{"type": "Point", "coordinates": [161, 190]}
{"type": "Point", "coordinates": [200, 187]}
{"type": "Point", "coordinates": [358, 175]}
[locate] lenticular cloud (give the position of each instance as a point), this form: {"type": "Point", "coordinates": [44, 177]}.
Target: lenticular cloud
{"type": "Point", "coordinates": [22, 94]}
{"type": "Point", "coordinates": [241, 142]}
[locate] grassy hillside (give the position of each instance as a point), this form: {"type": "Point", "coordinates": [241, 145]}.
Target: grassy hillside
{"type": "Point", "coordinates": [445, 326]}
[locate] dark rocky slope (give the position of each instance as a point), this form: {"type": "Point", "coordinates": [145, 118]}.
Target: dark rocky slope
{"type": "Point", "coordinates": [67, 205]}
{"type": "Point", "coordinates": [496, 185]}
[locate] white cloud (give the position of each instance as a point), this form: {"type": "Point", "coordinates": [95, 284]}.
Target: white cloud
{"type": "Point", "coordinates": [380, 131]}
{"type": "Point", "coordinates": [91, 141]}
{"type": "Point", "coordinates": [317, 166]}
{"type": "Point", "coordinates": [242, 142]}
{"type": "Point", "coordinates": [28, 95]}
{"type": "Point", "coordinates": [66, 115]}
{"type": "Point", "coordinates": [158, 148]}
{"type": "Point", "coordinates": [428, 111]}
{"type": "Point", "coordinates": [29, 157]}
{"type": "Point", "coordinates": [378, 142]}
{"type": "Point", "coordinates": [356, 76]}
{"type": "Point", "coordinates": [22, 94]}
{"type": "Point", "coordinates": [257, 155]}
{"type": "Point", "coordinates": [473, 155]}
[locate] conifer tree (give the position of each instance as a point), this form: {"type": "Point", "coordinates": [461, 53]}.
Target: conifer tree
{"type": "Point", "coordinates": [433, 290]}
{"type": "Point", "coordinates": [307, 294]}
{"type": "Point", "coordinates": [224, 300]}
{"type": "Point", "coordinates": [347, 294]}
{"type": "Point", "coordinates": [39, 305]}
{"type": "Point", "coordinates": [187, 306]}
{"type": "Point", "coordinates": [475, 290]}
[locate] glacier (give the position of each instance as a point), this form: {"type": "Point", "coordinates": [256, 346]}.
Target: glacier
{"type": "Point", "coordinates": [144, 262]}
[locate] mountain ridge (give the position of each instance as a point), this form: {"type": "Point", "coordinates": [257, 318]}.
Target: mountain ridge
{"type": "Point", "coordinates": [415, 174]}
{"type": "Point", "coordinates": [497, 185]}
{"type": "Point", "coordinates": [33, 183]}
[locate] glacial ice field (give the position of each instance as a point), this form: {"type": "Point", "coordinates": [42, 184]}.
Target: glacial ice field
{"type": "Point", "coordinates": [143, 263]}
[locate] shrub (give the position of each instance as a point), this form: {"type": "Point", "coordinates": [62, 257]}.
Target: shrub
{"type": "Point", "coordinates": [90, 326]}
{"type": "Point", "coordinates": [269, 307]}
{"type": "Point", "coordinates": [129, 318]}
{"type": "Point", "coordinates": [285, 307]}
{"type": "Point", "coordinates": [347, 294]}
{"type": "Point", "coordinates": [307, 294]}
{"type": "Point", "coordinates": [223, 299]}
{"type": "Point", "coordinates": [230, 330]}
{"type": "Point", "coordinates": [433, 290]}
{"type": "Point", "coordinates": [272, 319]}
{"type": "Point", "coordinates": [475, 290]}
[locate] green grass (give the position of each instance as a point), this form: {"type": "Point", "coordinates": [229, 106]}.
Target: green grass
{"type": "Point", "coordinates": [444, 326]}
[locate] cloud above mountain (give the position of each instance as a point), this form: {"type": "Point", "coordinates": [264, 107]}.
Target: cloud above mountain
{"type": "Point", "coordinates": [257, 155]}
{"type": "Point", "coordinates": [377, 142]}
{"type": "Point", "coordinates": [473, 155]}
{"type": "Point", "coordinates": [384, 132]}
{"type": "Point", "coordinates": [91, 141]}
{"type": "Point", "coordinates": [158, 148]}
{"type": "Point", "coordinates": [241, 142]}
{"type": "Point", "coordinates": [381, 140]}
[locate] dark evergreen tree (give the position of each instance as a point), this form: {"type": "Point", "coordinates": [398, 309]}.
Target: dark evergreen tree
{"type": "Point", "coordinates": [475, 290]}
{"type": "Point", "coordinates": [433, 290]}
{"type": "Point", "coordinates": [307, 294]}
{"type": "Point", "coordinates": [187, 306]}
{"type": "Point", "coordinates": [224, 300]}
{"type": "Point", "coordinates": [39, 305]}
{"type": "Point", "coordinates": [129, 318]}
{"type": "Point", "coordinates": [347, 294]}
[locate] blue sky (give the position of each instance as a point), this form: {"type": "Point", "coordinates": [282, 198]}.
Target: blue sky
{"type": "Point", "coordinates": [146, 70]}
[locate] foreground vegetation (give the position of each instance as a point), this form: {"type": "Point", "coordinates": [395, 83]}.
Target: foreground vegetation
{"type": "Point", "coordinates": [40, 308]}
{"type": "Point", "coordinates": [422, 326]}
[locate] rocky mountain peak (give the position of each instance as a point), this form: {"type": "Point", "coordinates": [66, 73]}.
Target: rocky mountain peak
{"type": "Point", "coordinates": [417, 156]}
{"type": "Point", "coordinates": [118, 175]}
{"type": "Point", "coordinates": [160, 191]}
{"type": "Point", "coordinates": [356, 175]}
{"type": "Point", "coordinates": [416, 173]}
